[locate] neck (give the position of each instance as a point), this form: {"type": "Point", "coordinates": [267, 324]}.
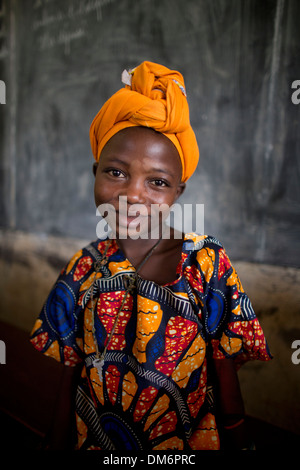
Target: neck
{"type": "Point", "coordinates": [139, 246]}
{"type": "Point", "coordinates": [136, 250]}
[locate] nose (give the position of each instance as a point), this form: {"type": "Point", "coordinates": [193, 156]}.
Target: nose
{"type": "Point", "coordinates": [134, 191]}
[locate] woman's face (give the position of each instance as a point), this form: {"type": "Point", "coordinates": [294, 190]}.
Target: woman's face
{"type": "Point", "coordinates": [138, 172]}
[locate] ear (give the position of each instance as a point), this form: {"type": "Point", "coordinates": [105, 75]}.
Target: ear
{"type": "Point", "coordinates": [95, 166]}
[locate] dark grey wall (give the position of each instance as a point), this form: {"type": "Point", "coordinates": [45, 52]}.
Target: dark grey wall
{"type": "Point", "coordinates": [62, 60]}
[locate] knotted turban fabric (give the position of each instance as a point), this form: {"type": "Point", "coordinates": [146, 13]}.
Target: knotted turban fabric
{"type": "Point", "coordinates": [154, 97]}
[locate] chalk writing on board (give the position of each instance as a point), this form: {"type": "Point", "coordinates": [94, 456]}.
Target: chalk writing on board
{"type": "Point", "coordinates": [67, 21]}
{"type": "Point", "coordinates": [64, 38]}
{"type": "Point", "coordinates": [76, 9]}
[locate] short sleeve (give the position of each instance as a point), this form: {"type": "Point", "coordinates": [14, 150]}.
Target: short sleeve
{"type": "Point", "coordinates": [230, 323]}
{"type": "Point", "coordinates": [58, 330]}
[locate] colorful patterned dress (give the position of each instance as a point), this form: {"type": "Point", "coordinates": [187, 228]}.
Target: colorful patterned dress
{"type": "Point", "coordinates": [157, 387]}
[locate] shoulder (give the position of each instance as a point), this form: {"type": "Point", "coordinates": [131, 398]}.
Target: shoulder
{"type": "Point", "coordinates": [206, 255]}
{"type": "Point", "coordinates": [82, 262]}
{"type": "Point", "coordinates": [195, 243]}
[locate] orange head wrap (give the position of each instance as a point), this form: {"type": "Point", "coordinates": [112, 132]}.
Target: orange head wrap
{"type": "Point", "coordinates": [154, 97]}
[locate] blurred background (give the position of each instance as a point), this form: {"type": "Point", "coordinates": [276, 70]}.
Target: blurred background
{"type": "Point", "coordinates": [60, 61]}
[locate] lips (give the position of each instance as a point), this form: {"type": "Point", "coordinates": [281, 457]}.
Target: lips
{"type": "Point", "coordinates": [125, 220]}
{"type": "Point", "coordinates": [135, 220]}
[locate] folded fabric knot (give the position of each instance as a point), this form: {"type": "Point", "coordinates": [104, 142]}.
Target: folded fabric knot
{"type": "Point", "coordinates": [154, 96]}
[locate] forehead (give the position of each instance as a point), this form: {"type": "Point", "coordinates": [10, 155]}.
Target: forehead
{"type": "Point", "coordinates": [142, 143]}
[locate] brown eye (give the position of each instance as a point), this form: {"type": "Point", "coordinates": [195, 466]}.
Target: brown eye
{"type": "Point", "coordinates": [160, 183]}
{"type": "Point", "coordinates": [115, 173]}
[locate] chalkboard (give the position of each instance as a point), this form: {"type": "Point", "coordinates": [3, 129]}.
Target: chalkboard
{"type": "Point", "coordinates": [62, 60]}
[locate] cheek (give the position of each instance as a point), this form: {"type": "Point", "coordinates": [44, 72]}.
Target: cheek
{"type": "Point", "coordinates": [97, 192]}
{"type": "Point", "coordinates": [102, 193]}
{"type": "Point", "coordinates": [166, 197]}
{"type": "Point", "coordinates": [105, 192]}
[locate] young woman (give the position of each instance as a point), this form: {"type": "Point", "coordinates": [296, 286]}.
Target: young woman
{"type": "Point", "coordinates": [159, 323]}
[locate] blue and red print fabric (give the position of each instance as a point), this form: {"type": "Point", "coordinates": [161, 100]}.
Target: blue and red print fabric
{"type": "Point", "coordinates": [156, 392]}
